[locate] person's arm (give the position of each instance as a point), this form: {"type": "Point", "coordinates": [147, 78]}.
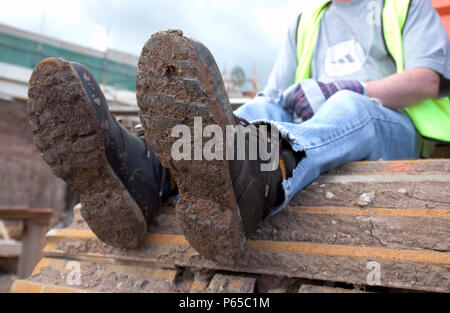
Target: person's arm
{"type": "Point", "coordinates": [404, 89]}
{"type": "Point", "coordinates": [426, 53]}
{"type": "Point", "coordinates": [283, 71]}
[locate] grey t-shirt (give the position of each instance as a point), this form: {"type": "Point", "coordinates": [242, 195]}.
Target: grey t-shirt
{"type": "Point", "coordinates": [350, 45]}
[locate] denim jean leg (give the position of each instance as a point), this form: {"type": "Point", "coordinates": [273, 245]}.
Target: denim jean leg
{"type": "Point", "coordinates": [262, 108]}
{"type": "Point", "coordinates": [349, 127]}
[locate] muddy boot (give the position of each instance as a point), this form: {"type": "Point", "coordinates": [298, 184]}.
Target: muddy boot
{"type": "Point", "coordinates": [220, 201]}
{"type": "Point", "coordinates": [118, 179]}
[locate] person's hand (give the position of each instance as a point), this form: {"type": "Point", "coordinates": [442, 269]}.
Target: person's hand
{"type": "Point", "coordinates": [306, 97]}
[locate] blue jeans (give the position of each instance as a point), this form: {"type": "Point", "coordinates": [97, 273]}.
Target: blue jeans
{"type": "Point", "coordinates": [348, 127]}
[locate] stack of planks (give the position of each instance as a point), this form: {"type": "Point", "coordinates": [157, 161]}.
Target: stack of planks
{"type": "Point", "coordinates": [364, 225]}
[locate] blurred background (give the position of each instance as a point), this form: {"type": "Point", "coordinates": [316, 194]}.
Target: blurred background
{"type": "Point", "coordinates": [245, 34]}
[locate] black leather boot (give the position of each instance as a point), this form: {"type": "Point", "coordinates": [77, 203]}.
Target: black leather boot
{"type": "Point", "coordinates": [120, 181]}
{"type": "Point", "coordinates": [220, 201]}
{"type": "Point", "coordinates": [258, 191]}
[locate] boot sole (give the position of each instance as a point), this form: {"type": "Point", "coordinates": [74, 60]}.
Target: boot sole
{"type": "Point", "coordinates": [175, 84]}
{"type": "Point", "coordinates": [70, 138]}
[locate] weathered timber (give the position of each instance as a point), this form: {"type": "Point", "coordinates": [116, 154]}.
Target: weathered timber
{"type": "Point", "coordinates": [398, 239]}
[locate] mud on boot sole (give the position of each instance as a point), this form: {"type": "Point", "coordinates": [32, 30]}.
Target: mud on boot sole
{"type": "Point", "coordinates": [178, 80]}
{"type": "Point", "coordinates": [70, 138]}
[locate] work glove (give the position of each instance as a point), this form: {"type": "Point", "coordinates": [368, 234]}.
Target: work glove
{"type": "Point", "coordinates": [306, 97]}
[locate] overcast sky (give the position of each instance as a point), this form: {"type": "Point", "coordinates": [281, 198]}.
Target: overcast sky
{"type": "Point", "coordinates": [238, 32]}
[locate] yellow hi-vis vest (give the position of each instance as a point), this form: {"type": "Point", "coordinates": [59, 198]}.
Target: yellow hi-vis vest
{"type": "Point", "coordinates": [431, 117]}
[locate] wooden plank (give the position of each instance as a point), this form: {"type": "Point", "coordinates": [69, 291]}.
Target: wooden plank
{"type": "Point", "coordinates": [404, 167]}
{"type": "Point", "coordinates": [64, 266]}
{"type": "Point", "coordinates": [24, 286]}
{"type": "Point", "coordinates": [385, 178]}
{"type": "Point", "coordinates": [376, 227]}
{"type": "Point", "coordinates": [380, 227]}
{"type": "Point", "coordinates": [396, 184]}
{"type": "Point", "coordinates": [425, 213]}
{"type": "Point", "coordinates": [399, 240]}
{"type": "Point", "coordinates": [387, 195]}
{"type": "Point", "coordinates": [399, 268]}
{"type": "Point", "coordinates": [410, 229]}
{"type": "Point", "coordinates": [95, 276]}
{"type": "Point", "coordinates": [231, 284]}
{"type": "Point", "coordinates": [26, 214]}
{"type": "Point", "coordinates": [324, 289]}
{"type": "Point", "coordinates": [201, 281]}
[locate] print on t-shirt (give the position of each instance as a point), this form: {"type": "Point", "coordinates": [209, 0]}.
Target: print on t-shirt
{"type": "Point", "coordinates": [345, 58]}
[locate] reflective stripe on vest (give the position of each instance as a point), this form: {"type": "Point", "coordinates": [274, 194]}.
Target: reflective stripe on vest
{"type": "Point", "coordinates": [431, 117]}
